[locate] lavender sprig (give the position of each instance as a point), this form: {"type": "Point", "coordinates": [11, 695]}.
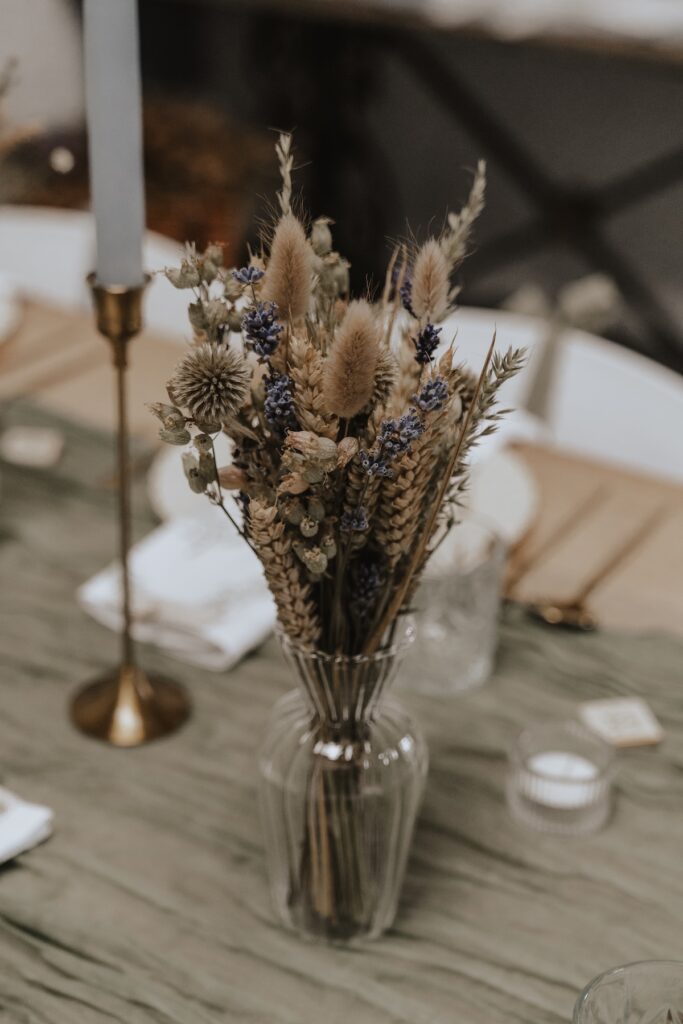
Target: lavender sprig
{"type": "Point", "coordinates": [278, 406]}
{"type": "Point", "coordinates": [426, 343]}
{"type": "Point", "coordinates": [355, 521]}
{"type": "Point", "coordinates": [432, 396]}
{"type": "Point", "coordinates": [248, 275]}
{"type": "Point", "coordinates": [394, 438]}
{"type": "Point", "coordinates": [261, 328]}
{"type": "Point", "coordinates": [366, 584]}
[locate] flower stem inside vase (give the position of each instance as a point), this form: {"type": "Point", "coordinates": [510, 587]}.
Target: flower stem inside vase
{"type": "Point", "coordinates": [341, 796]}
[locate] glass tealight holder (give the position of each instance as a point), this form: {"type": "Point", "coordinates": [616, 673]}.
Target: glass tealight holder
{"type": "Point", "coordinates": [560, 779]}
{"type": "Point", "coordinates": [457, 609]}
{"type": "Point", "coordinates": [650, 992]}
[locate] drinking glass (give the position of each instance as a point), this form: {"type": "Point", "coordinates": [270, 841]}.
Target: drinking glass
{"type": "Point", "coordinates": [456, 608]}
{"type": "Point", "coordinates": [650, 992]}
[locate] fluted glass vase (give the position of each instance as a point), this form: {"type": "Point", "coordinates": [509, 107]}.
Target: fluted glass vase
{"type": "Point", "coordinates": [342, 772]}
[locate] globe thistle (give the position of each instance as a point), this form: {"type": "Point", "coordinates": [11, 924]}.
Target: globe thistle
{"type": "Point", "coordinates": [426, 343]}
{"type": "Point", "coordinates": [211, 383]}
{"type": "Point", "coordinates": [261, 329]}
{"type": "Point", "coordinates": [278, 406]}
{"type": "Point", "coordinates": [432, 396]}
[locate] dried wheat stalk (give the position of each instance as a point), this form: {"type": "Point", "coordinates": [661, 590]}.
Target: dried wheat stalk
{"type": "Point", "coordinates": [295, 607]}
{"type": "Point", "coordinates": [307, 367]}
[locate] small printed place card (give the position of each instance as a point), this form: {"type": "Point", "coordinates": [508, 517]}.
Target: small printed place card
{"type": "Point", "coordinates": [622, 721]}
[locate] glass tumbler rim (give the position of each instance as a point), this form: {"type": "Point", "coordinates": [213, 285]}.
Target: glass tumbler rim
{"type": "Point", "coordinates": [497, 550]}
{"type": "Point", "coordinates": [611, 972]}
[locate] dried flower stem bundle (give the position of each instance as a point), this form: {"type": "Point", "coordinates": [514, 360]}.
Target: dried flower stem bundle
{"type": "Point", "coordinates": [350, 430]}
{"type": "Point", "coordinates": [350, 425]}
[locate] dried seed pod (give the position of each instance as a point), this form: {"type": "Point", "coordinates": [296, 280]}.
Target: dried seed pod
{"type": "Point", "coordinates": [308, 526]}
{"type": "Point", "coordinates": [191, 471]}
{"type": "Point", "coordinates": [312, 557]}
{"type": "Point", "coordinates": [328, 546]}
{"type": "Point", "coordinates": [347, 449]}
{"type": "Point", "coordinates": [232, 478]}
{"type": "Point", "coordinates": [292, 511]}
{"type": "Point", "coordinates": [171, 417]}
{"type": "Point", "coordinates": [320, 452]}
{"type": "Point", "coordinates": [233, 288]}
{"type": "Point", "coordinates": [292, 483]}
{"type": "Point", "coordinates": [203, 444]}
{"type": "Point", "coordinates": [316, 509]}
{"type": "Point", "coordinates": [184, 276]}
{"type": "Point", "coordinates": [178, 437]}
{"type": "Point", "coordinates": [321, 236]}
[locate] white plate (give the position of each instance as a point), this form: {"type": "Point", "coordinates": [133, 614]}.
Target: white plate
{"type": "Point", "coordinates": [503, 493]}
{"type": "Point", "coordinates": [168, 490]}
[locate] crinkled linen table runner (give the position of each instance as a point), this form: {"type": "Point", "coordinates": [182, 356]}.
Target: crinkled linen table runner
{"type": "Point", "coordinates": [149, 903]}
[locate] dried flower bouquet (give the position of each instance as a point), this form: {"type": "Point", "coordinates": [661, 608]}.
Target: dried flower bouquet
{"type": "Point", "coordinates": [350, 439]}
{"type": "Point", "coordinates": [351, 426]}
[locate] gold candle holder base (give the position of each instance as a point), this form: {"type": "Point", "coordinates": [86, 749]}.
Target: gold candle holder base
{"type": "Point", "coordinates": [127, 707]}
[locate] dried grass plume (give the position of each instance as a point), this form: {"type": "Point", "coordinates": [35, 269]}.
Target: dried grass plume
{"type": "Point", "coordinates": [350, 371]}
{"type": "Point", "coordinates": [288, 277]}
{"type": "Point", "coordinates": [456, 238]}
{"type": "Point", "coordinates": [430, 283]}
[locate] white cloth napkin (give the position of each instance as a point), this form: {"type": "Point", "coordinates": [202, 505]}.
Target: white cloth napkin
{"type": "Point", "coordinates": [198, 593]}
{"type": "Point", "coordinates": [22, 825]}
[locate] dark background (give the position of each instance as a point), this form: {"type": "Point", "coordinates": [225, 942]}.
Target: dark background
{"type": "Point", "coordinates": [584, 144]}
{"type": "Point", "coordinates": [392, 119]}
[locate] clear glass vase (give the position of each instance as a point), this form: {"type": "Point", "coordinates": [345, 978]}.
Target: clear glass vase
{"type": "Point", "coordinates": [342, 772]}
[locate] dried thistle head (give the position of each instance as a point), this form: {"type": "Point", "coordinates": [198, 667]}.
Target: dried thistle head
{"type": "Point", "coordinates": [352, 364]}
{"type": "Point", "coordinates": [211, 382]}
{"type": "Point", "coordinates": [288, 276]}
{"type": "Point", "coordinates": [430, 283]}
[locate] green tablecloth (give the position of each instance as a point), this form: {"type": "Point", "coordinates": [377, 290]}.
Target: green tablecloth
{"type": "Point", "coordinates": [149, 904]}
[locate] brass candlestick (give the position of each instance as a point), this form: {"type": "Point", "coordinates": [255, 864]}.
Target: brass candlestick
{"type": "Point", "coordinates": [125, 707]}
